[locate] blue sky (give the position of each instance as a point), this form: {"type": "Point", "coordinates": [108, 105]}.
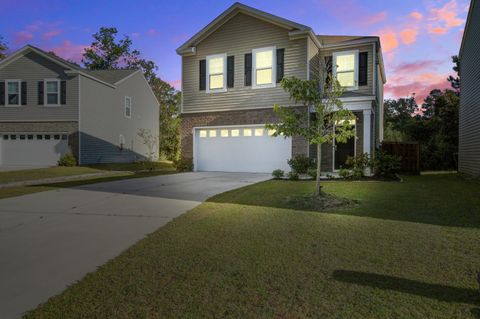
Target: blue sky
{"type": "Point", "coordinates": [418, 37]}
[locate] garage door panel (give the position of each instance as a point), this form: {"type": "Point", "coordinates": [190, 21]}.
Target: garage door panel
{"type": "Point", "coordinates": [241, 153]}
{"type": "Point", "coordinates": [34, 152]}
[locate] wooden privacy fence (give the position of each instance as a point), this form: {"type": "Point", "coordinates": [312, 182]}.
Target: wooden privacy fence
{"type": "Point", "coordinates": [409, 152]}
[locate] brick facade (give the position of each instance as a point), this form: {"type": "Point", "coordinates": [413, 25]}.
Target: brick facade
{"type": "Point", "coordinates": [241, 117]}
{"type": "Point", "coordinates": [71, 128]}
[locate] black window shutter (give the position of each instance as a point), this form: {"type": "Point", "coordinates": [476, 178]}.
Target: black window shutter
{"type": "Point", "coordinates": [24, 93]}
{"type": "Point", "coordinates": [63, 92]}
{"type": "Point", "coordinates": [203, 75]}
{"type": "Point", "coordinates": [230, 71]}
{"type": "Point", "coordinates": [362, 68]}
{"type": "Point", "coordinates": [328, 67]}
{"type": "Point", "coordinates": [2, 93]}
{"type": "Point", "coordinates": [40, 93]}
{"type": "Point", "coordinates": [248, 69]}
{"type": "Point", "coordinates": [280, 64]}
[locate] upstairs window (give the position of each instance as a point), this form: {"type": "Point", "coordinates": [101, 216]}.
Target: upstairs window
{"type": "Point", "coordinates": [52, 92]}
{"type": "Point", "coordinates": [128, 107]}
{"type": "Point", "coordinates": [216, 70]}
{"type": "Point", "coordinates": [264, 61]}
{"type": "Point", "coordinates": [346, 69]}
{"type": "Point", "coordinates": [13, 92]}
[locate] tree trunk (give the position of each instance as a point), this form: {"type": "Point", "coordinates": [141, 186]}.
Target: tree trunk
{"type": "Point", "coordinates": [318, 187]}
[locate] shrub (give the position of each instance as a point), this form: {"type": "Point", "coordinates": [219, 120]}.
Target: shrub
{"type": "Point", "coordinates": [345, 173]}
{"type": "Point", "coordinates": [300, 164]}
{"type": "Point", "coordinates": [312, 172]}
{"type": "Point", "coordinates": [278, 173]}
{"type": "Point", "coordinates": [67, 160]}
{"type": "Point", "coordinates": [386, 166]}
{"type": "Point", "coordinates": [293, 176]}
{"type": "Point", "coordinates": [184, 164]}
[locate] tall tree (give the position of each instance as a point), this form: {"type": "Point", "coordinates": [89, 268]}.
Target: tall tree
{"type": "Point", "coordinates": [169, 99]}
{"type": "Point", "coordinates": [455, 80]}
{"type": "Point", "coordinates": [3, 49]}
{"type": "Point", "coordinates": [332, 120]}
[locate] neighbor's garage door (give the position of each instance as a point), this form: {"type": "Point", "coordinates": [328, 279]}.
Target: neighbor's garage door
{"type": "Point", "coordinates": [240, 149]}
{"type": "Point", "coordinates": [32, 149]}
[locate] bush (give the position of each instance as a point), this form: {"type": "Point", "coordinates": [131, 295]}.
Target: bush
{"type": "Point", "coordinates": [300, 164]}
{"type": "Point", "coordinates": [345, 173]}
{"type": "Point", "coordinates": [386, 166]}
{"type": "Point", "coordinates": [293, 176]}
{"type": "Point", "coordinates": [184, 164]}
{"type": "Point", "coordinates": [312, 172]}
{"type": "Point", "coordinates": [358, 164]}
{"type": "Point", "coordinates": [67, 160]}
{"type": "Point", "coordinates": [278, 173]}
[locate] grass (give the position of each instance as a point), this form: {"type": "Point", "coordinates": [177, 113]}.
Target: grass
{"type": "Point", "coordinates": [41, 173]}
{"type": "Point", "coordinates": [407, 250]}
{"type": "Point", "coordinates": [121, 171]}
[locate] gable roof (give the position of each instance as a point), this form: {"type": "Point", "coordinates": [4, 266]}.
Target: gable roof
{"type": "Point", "coordinates": [228, 14]}
{"type": "Point", "coordinates": [107, 77]}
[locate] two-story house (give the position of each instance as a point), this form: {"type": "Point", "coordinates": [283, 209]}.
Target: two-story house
{"type": "Point", "coordinates": [50, 107]}
{"type": "Point", "coordinates": [231, 73]}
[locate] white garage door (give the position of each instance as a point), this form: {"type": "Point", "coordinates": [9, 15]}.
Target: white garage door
{"type": "Point", "coordinates": [31, 149]}
{"type": "Point", "coordinates": [240, 149]}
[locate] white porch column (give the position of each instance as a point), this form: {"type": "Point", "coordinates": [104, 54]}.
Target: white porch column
{"type": "Point", "coordinates": [367, 131]}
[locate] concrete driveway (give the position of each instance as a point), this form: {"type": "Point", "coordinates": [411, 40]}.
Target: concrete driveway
{"type": "Point", "coordinates": [50, 240]}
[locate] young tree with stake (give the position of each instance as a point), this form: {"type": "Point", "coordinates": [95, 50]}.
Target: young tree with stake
{"type": "Point", "coordinates": [331, 121]}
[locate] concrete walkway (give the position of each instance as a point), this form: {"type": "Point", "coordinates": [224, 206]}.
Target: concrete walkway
{"type": "Point", "coordinates": [51, 239]}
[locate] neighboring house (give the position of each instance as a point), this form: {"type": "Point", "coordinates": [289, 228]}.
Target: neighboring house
{"type": "Point", "coordinates": [50, 107]}
{"type": "Point", "coordinates": [231, 73]}
{"type": "Point", "coordinates": [469, 117]}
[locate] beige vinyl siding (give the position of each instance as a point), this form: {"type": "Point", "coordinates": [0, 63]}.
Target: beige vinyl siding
{"type": "Point", "coordinates": [313, 60]}
{"type": "Point", "coordinates": [237, 37]}
{"type": "Point", "coordinates": [469, 116]}
{"type": "Point", "coordinates": [33, 68]}
{"type": "Point", "coordinates": [365, 89]}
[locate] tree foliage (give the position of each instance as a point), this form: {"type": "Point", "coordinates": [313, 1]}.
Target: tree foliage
{"type": "Point", "coordinates": [455, 80]}
{"type": "Point", "coordinates": [3, 48]}
{"type": "Point", "coordinates": [108, 52]}
{"type": "Point", "coordinates": [435, 128]}
{"type": "Point", "coordinates": [331, 120]}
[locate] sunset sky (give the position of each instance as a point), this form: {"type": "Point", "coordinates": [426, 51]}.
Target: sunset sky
{"type": "Point", "coordinates": [418, 36]}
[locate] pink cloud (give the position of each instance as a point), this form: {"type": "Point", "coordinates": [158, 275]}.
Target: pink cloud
{"type": "Point", "coordinates": [152, 32]}
{"type": "Point", "coordinates": [51, 34]}
{"type": "Point", "coordinates": [373, 19]}
{"type": "Point", "coordinates": [22, 37]}
{"type": "Point", "coordinates": [445, 18]}
{"type": "Point", "coordinates": [389, 40]}
{"type": "Point", "coordinates": [413, 67]}
{"type": "Point", "coordinates": [437, 30]}
{"type": "Point", "coordinates": [176, 84]}
{"type": "Point", "coordinates": [408, 36]}
{"type": "Point", "coordinates": [69, 51]}
{"type": "Point", "coordinates": [416, 15]}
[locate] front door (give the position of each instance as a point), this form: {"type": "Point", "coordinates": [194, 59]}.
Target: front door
{"type": "Point", "coordinates": [343, 151]}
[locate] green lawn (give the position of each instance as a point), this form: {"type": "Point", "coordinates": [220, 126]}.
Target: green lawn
{"type": "Point", "coordinates": [121, 171]}
{"type": "Point", "coordinates": [407, 250]}
{"type": "Point", "coordinates": [40, 173]}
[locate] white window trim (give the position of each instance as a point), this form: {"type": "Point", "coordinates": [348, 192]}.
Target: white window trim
{"type": "Point", "coordinates": [19, 92]}
{"type": "Point", "coordinates": [45, 93]}
{"type": "Point", "coordinates": [224, 89]}
{"type": "Point", "coordinates": [125, 107]}
{"type": "Point", "coordinates": [355, 70]}
{"type": "Point", "coordinates": [274, 68]}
